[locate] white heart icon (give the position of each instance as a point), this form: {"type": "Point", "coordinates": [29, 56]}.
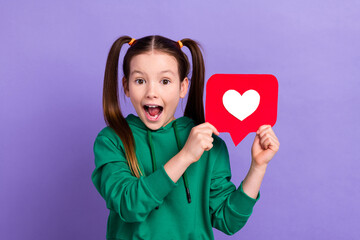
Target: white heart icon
{"type": "Point", "coordinates": [241, 106]}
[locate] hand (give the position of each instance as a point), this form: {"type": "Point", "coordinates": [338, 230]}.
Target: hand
{"type": "Point", "coordinates": [265, 145]}
{"type": "Point", "coordinates": [200, 139]}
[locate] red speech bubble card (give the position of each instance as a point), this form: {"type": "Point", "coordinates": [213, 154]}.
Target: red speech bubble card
{"type": "Point", "coordinates": [241, 103]}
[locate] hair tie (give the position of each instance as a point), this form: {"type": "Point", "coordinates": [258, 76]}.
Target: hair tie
{"type": "Point", "coordinates": [180, 44]}
{"type": "Point", "coordinates": [132, 41]}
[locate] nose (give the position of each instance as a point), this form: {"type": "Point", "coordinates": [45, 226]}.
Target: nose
{"type": "Point", "coordinates": [151, 91]}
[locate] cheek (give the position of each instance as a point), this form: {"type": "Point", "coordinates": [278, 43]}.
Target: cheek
{"type": "Point", "coordinates": [135, 95]}
{"type": "Point", "coordinates": [171, 92]}
{"type": "Point", "coordinates": [172, 97]}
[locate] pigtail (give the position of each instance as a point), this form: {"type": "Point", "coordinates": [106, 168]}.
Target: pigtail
{"type": "Point", "coordinates": [195, 106]}
{"type": "Point", "coordinates": [111, 107]}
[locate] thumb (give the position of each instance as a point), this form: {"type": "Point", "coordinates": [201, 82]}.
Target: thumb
{"type": "Point", "coordinates": [256, 144]}
{"type": "Point", "coordinates": [256, 140]}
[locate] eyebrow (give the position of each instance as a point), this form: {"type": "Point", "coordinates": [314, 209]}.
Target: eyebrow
{"type": "Point", "coordinates": [168, 71]}
{"type": "Point", "coordinates": [135, 71]}
{"type": "Point", "coordinates": [165, 71]}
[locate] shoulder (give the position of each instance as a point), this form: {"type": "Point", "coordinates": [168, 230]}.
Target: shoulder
{"type": "Point", "coordinates": [185, 122]}
{"type": "Point", "coordinates": [107, 131]}
{"type": "Point", "coordinates": [182, 126]}
{"type": "Point", "coordinates": [219, 158]}
{"type": "Point", "coordinates": [218, 140]}
{"type": "Point", "coordinates": [219, 146]}
{"type": "Point", "coordinates": [108, 135]}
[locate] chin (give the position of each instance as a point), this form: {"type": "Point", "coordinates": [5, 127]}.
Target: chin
{"type": "Point", "coordinates": [153, 125]}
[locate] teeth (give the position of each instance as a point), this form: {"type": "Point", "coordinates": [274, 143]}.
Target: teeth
{"type": "Point", "coordinates": [153, 106]}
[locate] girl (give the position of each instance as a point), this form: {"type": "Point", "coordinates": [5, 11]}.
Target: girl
{"type": "Point", "coordinates": [140, 159]}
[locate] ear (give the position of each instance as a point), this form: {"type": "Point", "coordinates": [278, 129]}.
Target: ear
{"type": "Point", "coordinates": [125, 86]}
{"type": "Point", "coordinates": [184, 87]}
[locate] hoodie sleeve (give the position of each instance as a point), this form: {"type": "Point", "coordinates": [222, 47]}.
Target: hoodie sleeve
{"type": "Point", "coordinates": [131, 197]}
{"type": "Point", "coordinates": [230, 208]}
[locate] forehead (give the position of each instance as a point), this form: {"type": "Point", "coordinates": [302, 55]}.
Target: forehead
{"type": "Point", "coordinates": [154, 61]}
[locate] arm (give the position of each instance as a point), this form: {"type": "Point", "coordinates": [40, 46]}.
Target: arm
{"type": "Point", "coordinates": [230, 208]}
{"type": "Point", "coordinates": [265, 145]}
{"type": "Point", "coordinates": [199, 140]}
{"type": "Point", "coordinates": [177, 165]}
{"type": "Point", "coordinates": [253, 179]}
{"type": "Point", "coordinates": [132, 198]}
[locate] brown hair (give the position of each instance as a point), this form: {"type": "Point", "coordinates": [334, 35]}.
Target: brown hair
{"type": "Point", "coordinates": [112, 112]}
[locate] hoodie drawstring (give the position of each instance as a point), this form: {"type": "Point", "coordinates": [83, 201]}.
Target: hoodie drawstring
{"type": "Point", "coordinates": [153, 159]}
{"type": "Point", "coordinates": [184, 174]}
{"type": "Point", "coordinates": [152, 151]}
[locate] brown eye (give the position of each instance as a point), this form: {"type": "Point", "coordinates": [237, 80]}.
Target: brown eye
{"type": "Point", "coordinates": [140, 81]}
{"type": "Point", "coordinates": [165, 81]}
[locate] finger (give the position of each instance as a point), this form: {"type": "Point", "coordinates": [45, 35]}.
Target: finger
{"type": "Point", "coordinates": [265, 144]}
{"type": "Point", "coordinates": [214, 130]}
{"type": "Point", "coordinates": [267, 132]}
{"type": "Point", "coordinates": [267, 136]}
{"type": "Point", "coordinates": [261, 128]}
{"type": "Point", "coordinates": [273, 146]}
{"type": "Point", "coordinates": [207, 138]}
{"type": "Point", "coordinates": [273, 137]}
{"type": "Point", "coordinates": [205, 131]}
{"type": "Point", "coordinates": [208, 147]}
{"type": "Point", "coordinates": [256, 140]}
{"type": "Point", "coordinates": [269, 143]}
{"type": "Point", "coordinates": [206, 142]}
{"type": "Point", "coordinates": [270, 133]}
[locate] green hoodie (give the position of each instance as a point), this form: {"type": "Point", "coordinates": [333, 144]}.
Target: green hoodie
{"type": "Point", "coordinates": [153, 206]}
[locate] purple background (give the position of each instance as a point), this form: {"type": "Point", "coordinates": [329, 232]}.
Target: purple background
{"type": "Point", "coordinates": [52, 61]}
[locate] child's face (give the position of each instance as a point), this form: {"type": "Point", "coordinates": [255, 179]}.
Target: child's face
{"type": "Point", "coordinates": [155, 88]}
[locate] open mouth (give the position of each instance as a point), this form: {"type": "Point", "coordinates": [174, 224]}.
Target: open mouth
{"type": "Point", "coordinates": [153, 112]}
